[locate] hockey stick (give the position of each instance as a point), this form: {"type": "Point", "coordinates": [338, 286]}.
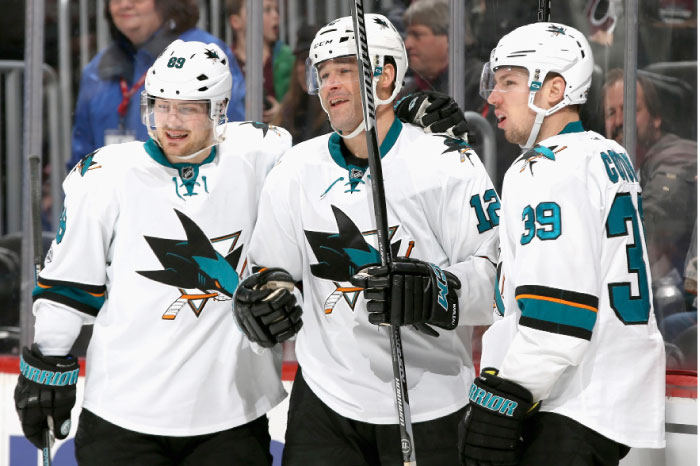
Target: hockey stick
{"type": "Point", "coordinates": [366, 70]}
{"type": "Point", "coordinates": [544, 9]}
{"type": "Point", "coordinates": [35, 199]}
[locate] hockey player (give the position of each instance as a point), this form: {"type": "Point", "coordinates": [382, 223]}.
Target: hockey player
{"type": "Point", "coordinates": [573, 368]}
{"type": "Point", "coordinates": [150, 248]}
{"type": "Point", "coordinates": [316, 226]}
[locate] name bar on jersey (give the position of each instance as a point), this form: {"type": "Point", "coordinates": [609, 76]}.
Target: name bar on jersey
{"type": "Point", "coordinates": [45, 377]}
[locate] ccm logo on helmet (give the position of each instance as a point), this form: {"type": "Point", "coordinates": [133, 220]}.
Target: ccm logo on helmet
{"type": "Point", "coordinates": [321, 44]}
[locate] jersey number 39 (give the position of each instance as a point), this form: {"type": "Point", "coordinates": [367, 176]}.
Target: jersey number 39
{"type": "Point", "coordinates": [629, 309]}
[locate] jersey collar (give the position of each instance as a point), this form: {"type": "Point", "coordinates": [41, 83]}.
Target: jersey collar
{"type": "Point", "coordinates": [573, 127]}
{"type": "Point", "coordinates": [337, 149]}
{"type": "Point", "coordinates": [156, 153]}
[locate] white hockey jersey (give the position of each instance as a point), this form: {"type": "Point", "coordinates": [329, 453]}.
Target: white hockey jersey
{"type": "Point", "coordinates": [317, 221]}
{"type": "Point", "coordinates": [574, 285]}
{"type": "Point", "coordinates": [154, 252]}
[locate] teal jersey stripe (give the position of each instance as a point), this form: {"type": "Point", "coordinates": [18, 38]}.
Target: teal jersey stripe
{"type": "Point", "coordinates": [71, 296]}
{"type": "Point", "coordinates": [557, 313]}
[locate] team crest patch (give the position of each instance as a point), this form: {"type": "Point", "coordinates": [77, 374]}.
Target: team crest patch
{"type": "Point", "coordinates": [457, 145]}
{"type": "Point", "coordinates": [86, 164]}
{"type": "Point", "coordinates": [538, 153]}
{"type": "Point", "coordinates": [192, 266]}
{"type": "Point", "coordinates": [342, 254]}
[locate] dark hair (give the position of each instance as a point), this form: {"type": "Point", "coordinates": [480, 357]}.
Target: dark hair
{"type": "Point", "coordinates": [433, 14]}
{"type": "Point", "coordinates": [233, 7]}
{"type": "Point", "coordinates": [651, 95]}
{"type": "Point", "coordinates": [178, 15]}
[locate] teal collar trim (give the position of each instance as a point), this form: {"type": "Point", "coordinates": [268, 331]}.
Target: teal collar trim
{"type": "Point", "coordinates": [337, 148]}
{"type": "Point", "coordinates": [156, 153]}
{"type": "Point", "coordinates": [573, 127]}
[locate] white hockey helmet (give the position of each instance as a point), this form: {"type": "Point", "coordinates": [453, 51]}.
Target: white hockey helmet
{"type": "Point", "coordinates": [543, 48]}
{"type": "Point", "coordinates": [337, 39]}
{"type": "Point", "coordinates": [189, 71]}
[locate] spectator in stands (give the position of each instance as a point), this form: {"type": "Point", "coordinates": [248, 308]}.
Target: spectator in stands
{"type": "Point", "coordinates": [667, 165]}
{"type": "Point", "coordinates": [427, 25]}
{"type": "Point", "coordinates": [108, 108]}
{"type": "Point", "coordinates": [300, 113]}
{"type": "Point", "coordinates": [278, 58]}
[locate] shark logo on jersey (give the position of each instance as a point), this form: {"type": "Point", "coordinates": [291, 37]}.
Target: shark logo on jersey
{"type": "Point", "coordinates": [341, 255]}
{"type": "Point", "coordinates": [194, 267]}
{"type": "Point", "coordinates": [263, 126]}
{"type": "Point", "coordinates": [532, 156]}
{"type": "Point", "coordinates": [258, 125]}
{"type": "Point", "coordinates": [61, 226]}
{"type": "Point", "coordinates": [457, 145]}
{"type": "Point", "coordinates": [86, 164]}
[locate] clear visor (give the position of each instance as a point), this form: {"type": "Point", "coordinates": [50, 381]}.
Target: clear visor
{"type": "Point", "coordinates": [333, 72]}
{"type": "Point", "coordinates": [195, 114]}
{"type": "Point", "coordinates": [505, 79]}
{"type": "Point", "coordinates": [186, 110]}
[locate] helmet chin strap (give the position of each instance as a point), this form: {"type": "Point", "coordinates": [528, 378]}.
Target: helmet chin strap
{"type": "Point", "coordinates": [354, 132]}
{"type": "Point", "coordinates": [540, 115]}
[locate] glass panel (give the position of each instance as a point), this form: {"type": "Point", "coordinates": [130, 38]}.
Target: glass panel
{"type": "Point", "coordinates": [77, 118]}
{"type": "Point", "coordinates": [667, 163]}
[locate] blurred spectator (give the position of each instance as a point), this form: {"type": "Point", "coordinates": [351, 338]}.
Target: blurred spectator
{"type": "Point", "coordinates": [667, 166]}
{"type": "Point", "coordinates": [278, 58]}
{"type": "Point", "coordinates": [299, 112]}
{"type": "Point", "coordinates": [427, 25]}
{"type": "Point", "coordinates": [108, 108]}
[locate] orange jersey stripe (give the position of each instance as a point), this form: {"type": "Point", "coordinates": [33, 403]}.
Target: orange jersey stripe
{"type": "Point", "coordinates": [555, 300]}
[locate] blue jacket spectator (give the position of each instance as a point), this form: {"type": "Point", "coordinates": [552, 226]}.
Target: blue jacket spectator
{"type": "Point", "coordinates": [108, 106]}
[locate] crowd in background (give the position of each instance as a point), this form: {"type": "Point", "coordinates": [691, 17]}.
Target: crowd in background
{"type": "Point", "coordinates": [108, 104]}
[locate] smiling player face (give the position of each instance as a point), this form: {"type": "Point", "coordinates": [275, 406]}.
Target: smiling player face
{"type": "Point", "coordinates": [183, 126]}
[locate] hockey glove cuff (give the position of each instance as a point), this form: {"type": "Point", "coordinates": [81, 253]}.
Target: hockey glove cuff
{"type": "Point", "coordinates": [490, 432]}
{"type": "Point", "coordinates": [265, 308]}
{"type": "Point", "coordinates": [45, 389]}
{"type": "Point", "coordinates": [433, 111]}
{"type": "Point", "coordinates": [410, 292]}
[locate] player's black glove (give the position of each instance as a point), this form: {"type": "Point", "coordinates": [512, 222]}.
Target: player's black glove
{"type": "Point", "coordinates": [434, 111]}
{"type": "Point", "coordinates": [490, 433]}
{"type": "Point", "coordinates": [45, 390]}
{"type": "Point", "coordinates": [265, 308]}
{"type": "Point", "coordinates": [413, 292]}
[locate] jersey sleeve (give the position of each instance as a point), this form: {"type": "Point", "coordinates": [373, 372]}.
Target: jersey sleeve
{"type": "Point", "coordinates": [274, 242]}
{"type": "Point", "coordinates": [74, 271]}
{"type": "Point", "coordinates": [554, 278]}
{"type": "Point", "coordinates": [468, 232]}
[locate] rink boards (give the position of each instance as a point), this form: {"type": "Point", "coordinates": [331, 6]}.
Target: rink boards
{"type": "Point", "coordinates": [681, 424]}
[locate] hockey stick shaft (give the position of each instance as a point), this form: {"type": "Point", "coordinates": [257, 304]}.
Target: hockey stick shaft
{"type": "Point", "coordinates": [544, 10]}
{"type": "Point", "coordinates": [35, 199]}
{"type": "Point", "coordinates": [366, 71]}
